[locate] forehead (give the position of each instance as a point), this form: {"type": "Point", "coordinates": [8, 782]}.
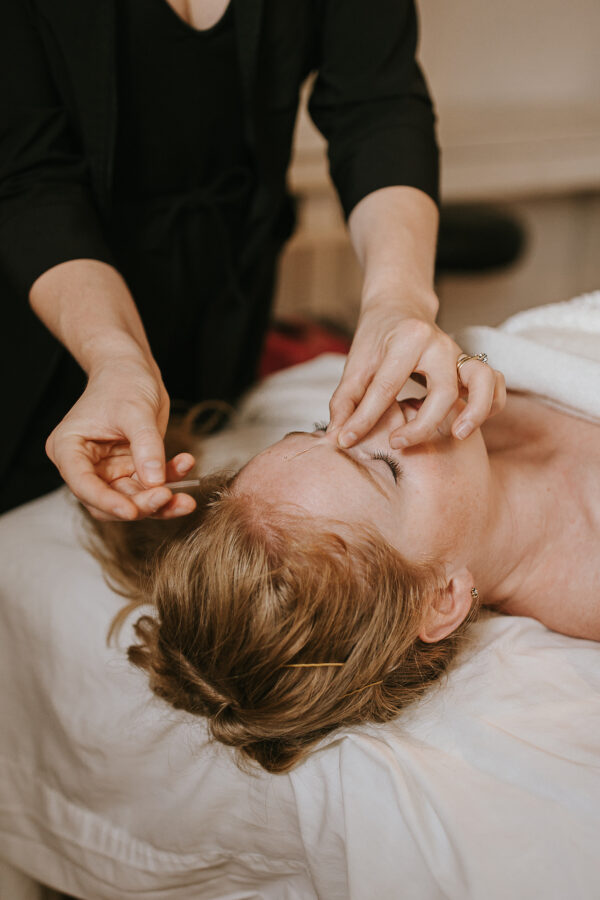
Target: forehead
{"type": "Point", "coordinates": [306, 471]}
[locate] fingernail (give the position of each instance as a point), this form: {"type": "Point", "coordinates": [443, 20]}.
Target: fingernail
{"type": "Point", "coordinates": [398, 443]}
{"type": "Point", "coordinates": [183, 465]}
{"type": "Point", "coordinates": [346, 439]}
{"type": "Point", "coordinates": [463, 430]}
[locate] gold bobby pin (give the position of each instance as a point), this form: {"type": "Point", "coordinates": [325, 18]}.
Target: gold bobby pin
{"type": "Point", "coordinates": [371, 684]}
{"type": "Point", "coordinates": [310, 665]}
{"type": "Point", "coordinates": [319, 665]}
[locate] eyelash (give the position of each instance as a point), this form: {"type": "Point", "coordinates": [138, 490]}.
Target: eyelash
{"type": "Point", "coordinates": [394, 466]}
{"type": "Point", "coordinates": [391, 462]}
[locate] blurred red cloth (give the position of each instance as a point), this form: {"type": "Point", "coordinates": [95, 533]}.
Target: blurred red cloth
{"type": "Point", "coordinates": [295, 341]}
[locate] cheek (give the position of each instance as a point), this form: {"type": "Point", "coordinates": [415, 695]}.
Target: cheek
{"type": "Point", "coordinates": [461, 488]}
{"type": "Point", "coordinates": [460, 470]}
{"type": "Point", "coordinates": [443, 488]}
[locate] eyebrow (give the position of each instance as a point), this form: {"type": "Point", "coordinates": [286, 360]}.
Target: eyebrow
{"type": "Point", "coordinates": [364, 470]}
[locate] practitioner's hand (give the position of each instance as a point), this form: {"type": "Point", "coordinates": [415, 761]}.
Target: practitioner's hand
{"type": "Point", "coordinates": [109, 447]}
{"type": "Point", "coordinates": [389, 345]}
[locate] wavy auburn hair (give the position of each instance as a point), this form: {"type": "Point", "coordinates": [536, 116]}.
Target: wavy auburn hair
{"type": "Point", "coordinates": [242, 589]}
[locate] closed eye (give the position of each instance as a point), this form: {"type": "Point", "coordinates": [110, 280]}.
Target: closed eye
{"type": "Point", "coordinates": [364, 469]}
{"type": "Point", "coordinates": [392, 463]}
{"type": "Point", "coordinates": [395, 467]}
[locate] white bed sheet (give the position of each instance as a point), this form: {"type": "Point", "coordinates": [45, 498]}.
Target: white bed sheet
{"type": "Point", "coordinates": [488, 788]}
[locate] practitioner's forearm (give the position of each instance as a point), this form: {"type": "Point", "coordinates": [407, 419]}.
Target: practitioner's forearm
{"type": "Point", "coordinates": [394, 232]}
{"type": "Point", "coordinates": [87, 305]}
{"type": "Point", "coordinates": [109, 447]}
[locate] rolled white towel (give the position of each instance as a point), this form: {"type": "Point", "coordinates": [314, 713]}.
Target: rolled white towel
{"type": "Point", "coordinates": [551, 351]}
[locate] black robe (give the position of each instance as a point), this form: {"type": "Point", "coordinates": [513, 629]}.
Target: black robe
{"type": "Point", "coordinates": [57, 140]}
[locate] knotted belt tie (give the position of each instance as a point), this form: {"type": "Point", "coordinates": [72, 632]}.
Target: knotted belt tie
{"type": "Point", "coordinates": [179, 222]}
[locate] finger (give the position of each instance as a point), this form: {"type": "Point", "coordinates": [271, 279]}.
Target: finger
{"type": "Point", "coordinates": [77, 470]}
{"type": "Point", "coordinates": [380, 394]}
{"type": "Point", "coordinates": [147, 449]}
{"type": "Point", "coordinates": [156, 501]}
{"type": "Point", "coordinates": [480, 382]}
{"type": "Point", "coordinates": [128, 486]}
{"type": "Point", "coordinates": [179, 466]}
{"type": "Point", "coordinates": [149, 502]}
{"type": "Point", "coordinates": [341, 407]}
{"type": "Point", "coordinates": [347, 395]}
{"type": "Point", "coordinates": [499, 401]}
{"type": "Point", "coordinates": [179, 505]}
{"type": "Point", "coordinates": [98, 514]}
{"type": "Point", "coordinates": [175, 469]}
{"type": "Point", "coordinates": [436, 406]}
{"type": "Point", "coordinates": [117, 465]}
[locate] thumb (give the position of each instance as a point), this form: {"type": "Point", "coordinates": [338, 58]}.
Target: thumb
{"type": "Point", "coordinates": [147, 449]}
{"type": "Point", "coordinates": [344, 401]}
{"type": "Point", "coordinates": [341, 408]}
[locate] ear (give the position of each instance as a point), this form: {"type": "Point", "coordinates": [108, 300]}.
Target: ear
{"type": "Point", "coordinates": [449, 608]}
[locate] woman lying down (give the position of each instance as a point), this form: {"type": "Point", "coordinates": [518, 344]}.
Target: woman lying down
{"type": "Point", "coordinates": [318, 587]}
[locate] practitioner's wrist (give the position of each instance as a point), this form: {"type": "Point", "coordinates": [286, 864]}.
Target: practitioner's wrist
{"type": "Point", "coordinates": [409, 300]}
{"type": "Point", "coordinates": [114, 349]}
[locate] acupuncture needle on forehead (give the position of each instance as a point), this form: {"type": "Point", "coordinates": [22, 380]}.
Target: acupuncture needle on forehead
{"type": "Point", "coordinates": [194, 482]}
{"type": "Point", "coordinates": [306, 449]}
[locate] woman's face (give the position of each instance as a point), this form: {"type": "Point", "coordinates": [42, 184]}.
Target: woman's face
{"type": "Point", "coordinates": [424, 500]}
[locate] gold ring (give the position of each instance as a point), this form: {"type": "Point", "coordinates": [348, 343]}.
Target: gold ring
{"type": "Point", "coordinates": [464, 357]}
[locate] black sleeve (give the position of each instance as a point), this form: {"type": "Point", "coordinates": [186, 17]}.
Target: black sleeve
{"type": "Point", "coordinates": [370, 100]}
{"type": "Point", "coordinates": [47, 212]}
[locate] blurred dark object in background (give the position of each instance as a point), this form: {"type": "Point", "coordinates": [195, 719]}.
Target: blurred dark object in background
{"type": "Point", "coordinates": [473, 238]}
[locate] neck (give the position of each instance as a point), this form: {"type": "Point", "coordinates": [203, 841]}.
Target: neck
{"type": "Point", "coordinates": [507, 562]}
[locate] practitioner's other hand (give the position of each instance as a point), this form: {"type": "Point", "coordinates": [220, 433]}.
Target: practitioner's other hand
{"type": "Point", "coordinates": [109, 447]}
{"type": "Point", "coordinates": [390, 344]}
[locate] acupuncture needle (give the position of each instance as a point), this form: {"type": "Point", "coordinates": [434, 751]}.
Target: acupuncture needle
{"type": "Point", "coordinates": [175, 485]}
{"type": "Point", "coordinates": [298, 454]}
{"type": "Point", "coordinates": [194, 482]}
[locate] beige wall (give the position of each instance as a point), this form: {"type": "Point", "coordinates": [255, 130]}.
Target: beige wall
{"type": "Point", "coordinates": [480, 52]}
{"type": "Point", "coordinates": [516, 86]}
